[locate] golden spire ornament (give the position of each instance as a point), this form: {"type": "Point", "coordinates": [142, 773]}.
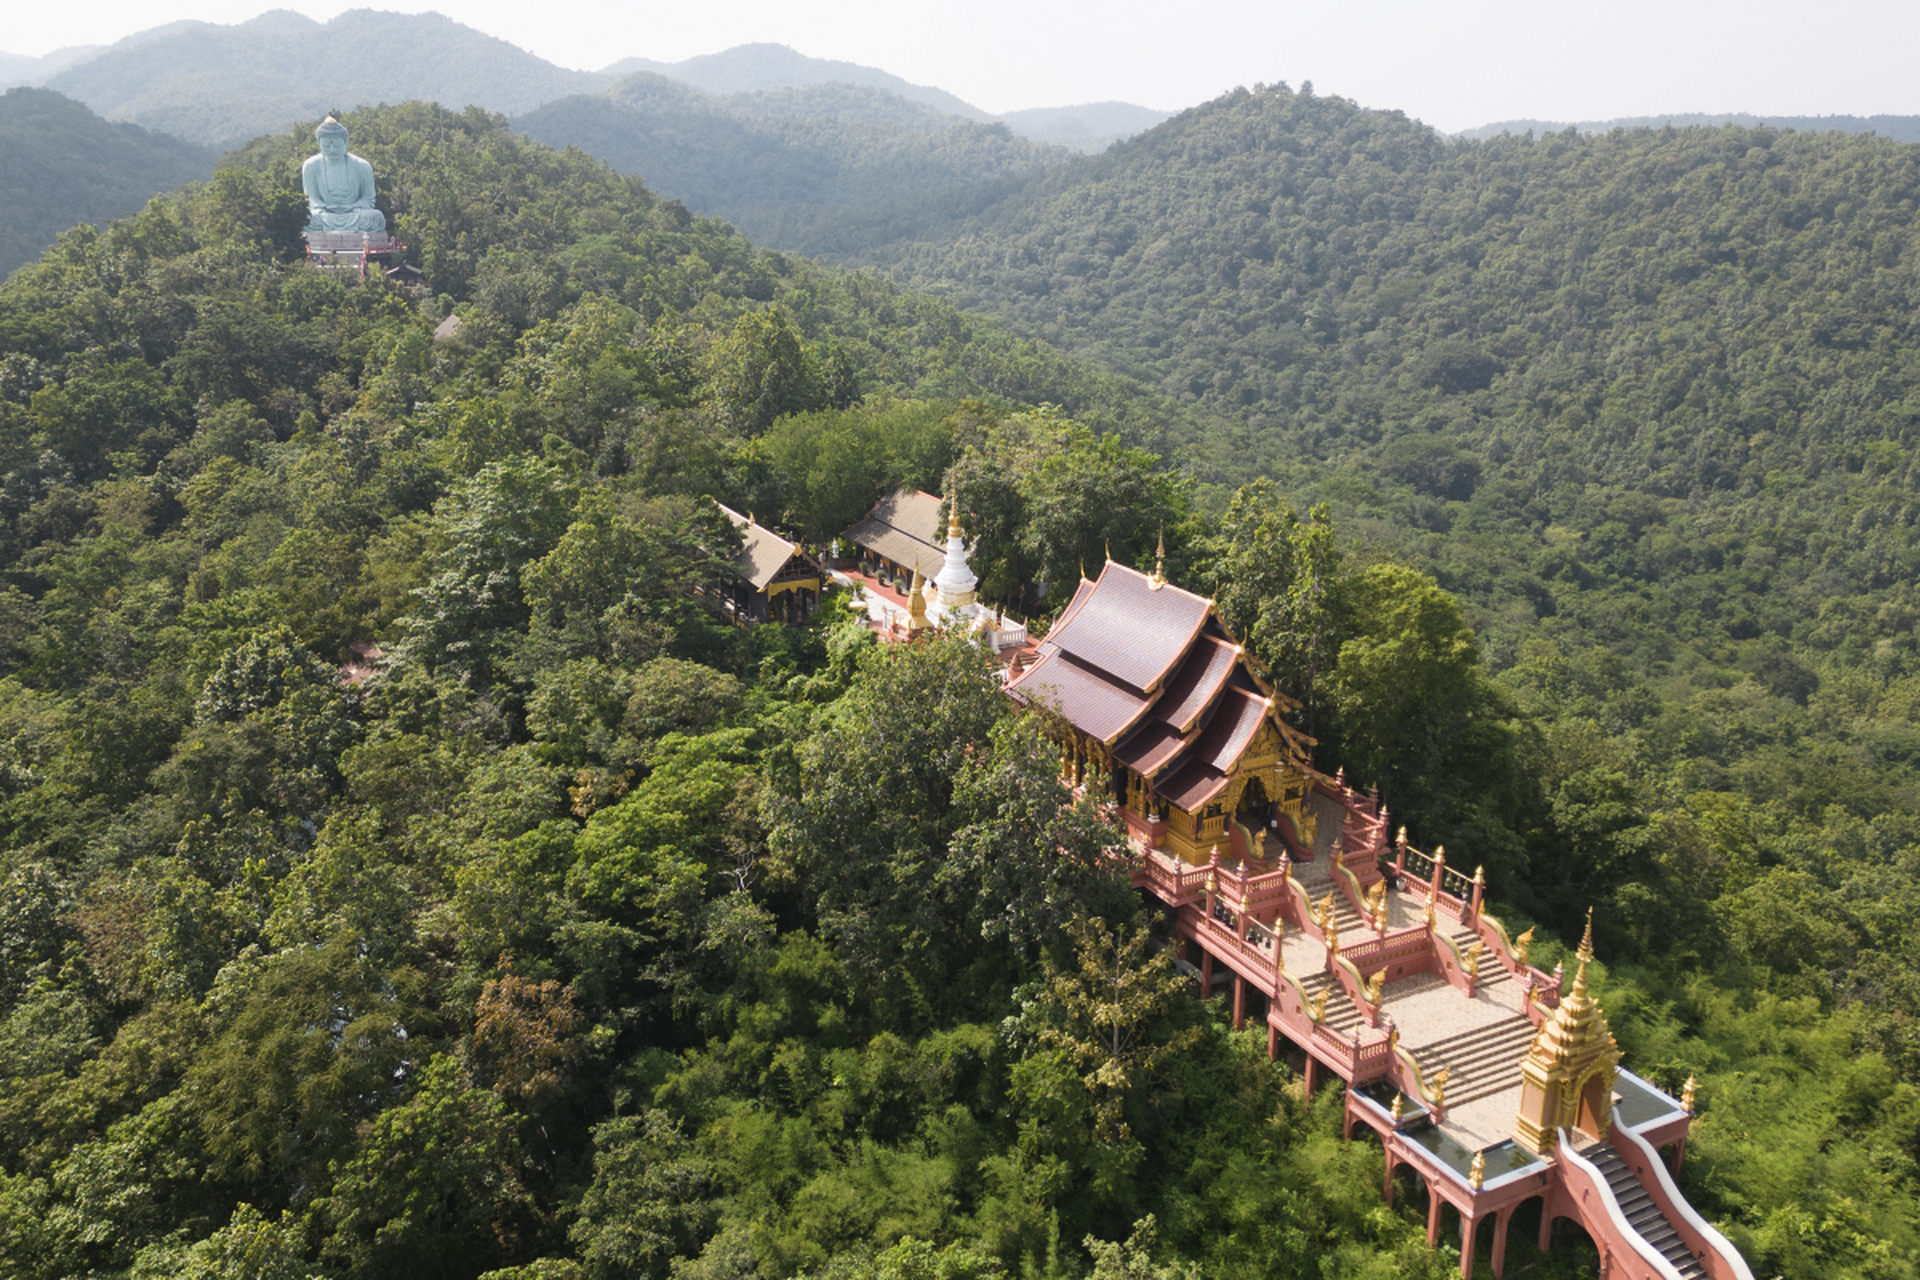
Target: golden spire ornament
{"type": "Point", "coordinates": [1477, 1172]}
{"type": "Point", "coordinates": [1686, 1094]}
{"type": "Point", "coordinates": [1396, 1112]}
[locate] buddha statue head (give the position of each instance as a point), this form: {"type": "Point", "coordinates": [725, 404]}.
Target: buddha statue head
{"type": "Point", "coordinates": [332, 137]}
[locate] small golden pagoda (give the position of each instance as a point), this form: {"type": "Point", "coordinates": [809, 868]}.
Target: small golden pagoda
{"type": "Point", "coordinates": [1568, 1076]}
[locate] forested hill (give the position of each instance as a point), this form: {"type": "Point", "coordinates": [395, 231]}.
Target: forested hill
{"type": "Point", "coordinates": [61, 164]}
{"type": "Point", "coordinates": [408, 869]}
{"type": "Point", "coordinates": [758, 68]}
{"type": "Point", "coordinates": [823, 169]}
{"type": "Point", "coordinates": [1559, 368]}
{"type": "Point", "coordinates": [1898, 128]}
{"type": "Point", "coordinates": [1649, 401]}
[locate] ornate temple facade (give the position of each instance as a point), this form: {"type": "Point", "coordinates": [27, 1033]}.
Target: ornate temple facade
{"type": "Point", "coordinates": [1162, 709]}
{"type": "Point", "coordinates": [1493, 1086]}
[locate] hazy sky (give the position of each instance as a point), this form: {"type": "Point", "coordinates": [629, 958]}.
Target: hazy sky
{"type": "Point", "coordinates": [1452, 63]}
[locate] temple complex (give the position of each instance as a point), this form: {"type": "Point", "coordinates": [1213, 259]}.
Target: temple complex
{"type": "Point", "coordinates": [1493, 1086]}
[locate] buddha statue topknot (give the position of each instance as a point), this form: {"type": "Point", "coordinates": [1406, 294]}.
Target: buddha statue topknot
{"type": "Point", "coordinates": [339, 186]}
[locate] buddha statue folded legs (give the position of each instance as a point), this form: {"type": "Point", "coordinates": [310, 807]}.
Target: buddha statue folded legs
{"type": "Point", "coordinates": [339, 186]}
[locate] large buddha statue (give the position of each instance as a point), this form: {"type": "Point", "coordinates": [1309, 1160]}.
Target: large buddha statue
{"type": "Point", "coordinates": [339, 186]}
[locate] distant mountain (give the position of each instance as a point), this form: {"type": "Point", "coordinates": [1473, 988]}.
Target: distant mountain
{"type": "Point", "coordinates": [766, 68]}
{"type": "Point", "coordinates": [1092, 127]}
{"type": "Point", "coordinates": [1898, 128]}
{"type": "Point", "coordinates": [824, 169]}
{"type": "Point", "coordinates": [221, 85]}
{"type": "Point", "coordinates": [61, 165]}
{"type": "Point", "coordinates": [18, 69]}
{"type": "Point", "coordinates": [751, 68]}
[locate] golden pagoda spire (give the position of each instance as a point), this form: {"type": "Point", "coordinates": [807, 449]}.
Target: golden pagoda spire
{"type": "Point", "coordinates": [1159, 578]}
{"type": "Point", "coordinates": [917, 603]}
{"type": "Point", "coordinates": [1568, 1075]}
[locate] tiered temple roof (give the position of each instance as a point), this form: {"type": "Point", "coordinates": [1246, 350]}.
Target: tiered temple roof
{"type": "Point", "coordinates": [1152, 681]}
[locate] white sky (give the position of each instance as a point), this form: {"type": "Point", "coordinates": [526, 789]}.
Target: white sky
{"type": "Point", "coordinates": [1452, 63]}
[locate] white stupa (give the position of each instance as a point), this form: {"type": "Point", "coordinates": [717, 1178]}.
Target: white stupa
{"type": "Point", "coordinates": [955, 582]}
{"type": "Point", "coordinates": [950, 601]}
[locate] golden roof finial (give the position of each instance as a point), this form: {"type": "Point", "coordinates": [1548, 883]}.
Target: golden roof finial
{"type": "Point", "coordinates": [1477, 1172]}
{"type": "Point", "coordinates": [1686, 1094]}
{"type": "Point", "coordinates": [1585, 951]}
{"type": "Point", "coordinates": [1396, 1112]}
{"type": "Point", "coordinates": [917, 603]}
{"type": "Point", "coordinates": [1159, 578]}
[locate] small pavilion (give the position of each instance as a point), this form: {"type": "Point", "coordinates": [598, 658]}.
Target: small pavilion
{"type": "Point", "coordinates": [775, 580]}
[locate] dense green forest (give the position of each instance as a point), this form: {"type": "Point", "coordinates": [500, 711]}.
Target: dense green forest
{"type": "Point", "coordinates": [408, 869]}
{"type": "Point", "coordinates": [823, 169]}
{"type": "Point", "coordinates": [60, 164]}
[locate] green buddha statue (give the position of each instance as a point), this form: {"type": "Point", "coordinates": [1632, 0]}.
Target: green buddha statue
{"type": "Point", "coordinates": [339, 186]}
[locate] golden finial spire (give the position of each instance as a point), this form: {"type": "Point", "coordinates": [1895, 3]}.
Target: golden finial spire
{"type": "Point", "coordinates": [1397, 1112]}
{"type": "Point", "coordinates": [917, 603]}
{"type": "Point", "coordinates": [1686, 1094]}
{"type": "Point", "coordinates": [1477, 1171]}
{"type": "Point", "coordinates": [1585, 953]}
{"type": "Point", "coordinates": [1159, 578]}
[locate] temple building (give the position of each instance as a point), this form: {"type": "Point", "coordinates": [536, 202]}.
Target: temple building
{"type": "Point", "coordinates": [899, 537]}
{"type": "Point", "coordinates": [905, 584]}
{"type": "Point", "coordinates": [1167, 714]}
{"type": "Point", "coordinates": [775, 580]}
{"type": "Point", "coordinates": [1494, 1088]}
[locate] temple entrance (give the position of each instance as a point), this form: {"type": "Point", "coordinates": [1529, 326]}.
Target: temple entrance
{"type": "Point", "coordinates": [1255, 806]}
{"type": "Point", "coordinates": [1594, 1112]}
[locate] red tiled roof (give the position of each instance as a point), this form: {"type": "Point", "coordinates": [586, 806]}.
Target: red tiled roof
{"type": "Point", "coordinates": [1130, 630]}
{"type": "Point", "coordinates": [1150, 748]}
{"type": "Point", "coordinates": [1093, 704]}
{"type": "Point", "coordinates": [1196, 682]}
{"type": "Point", "coordinates": [1231, 728]}
{"type": "Point", "coordinates": [1203, 772]}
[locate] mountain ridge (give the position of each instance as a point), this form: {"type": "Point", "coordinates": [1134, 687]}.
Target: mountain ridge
{"type": "Point", "coordinates": [1898, 128]}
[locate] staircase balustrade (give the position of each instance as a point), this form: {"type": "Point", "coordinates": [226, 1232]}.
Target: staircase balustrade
{"type": "Point", "coordinates": [1598, 1212]}
{"type": "Point", "coordinates": [1452, 963]}
{"type": "Point", "coordinates": [1716, 1256]}
{"type": "Point", "coordinates": [1355, 987]}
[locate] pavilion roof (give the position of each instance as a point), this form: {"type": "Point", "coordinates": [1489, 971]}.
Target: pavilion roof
{"type": "Point", "coordinates": [904, 527]}
{"type": "Point", "coordinates": [1144, 667]}
{"type": "Point", "coordinates": [763, 553]}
